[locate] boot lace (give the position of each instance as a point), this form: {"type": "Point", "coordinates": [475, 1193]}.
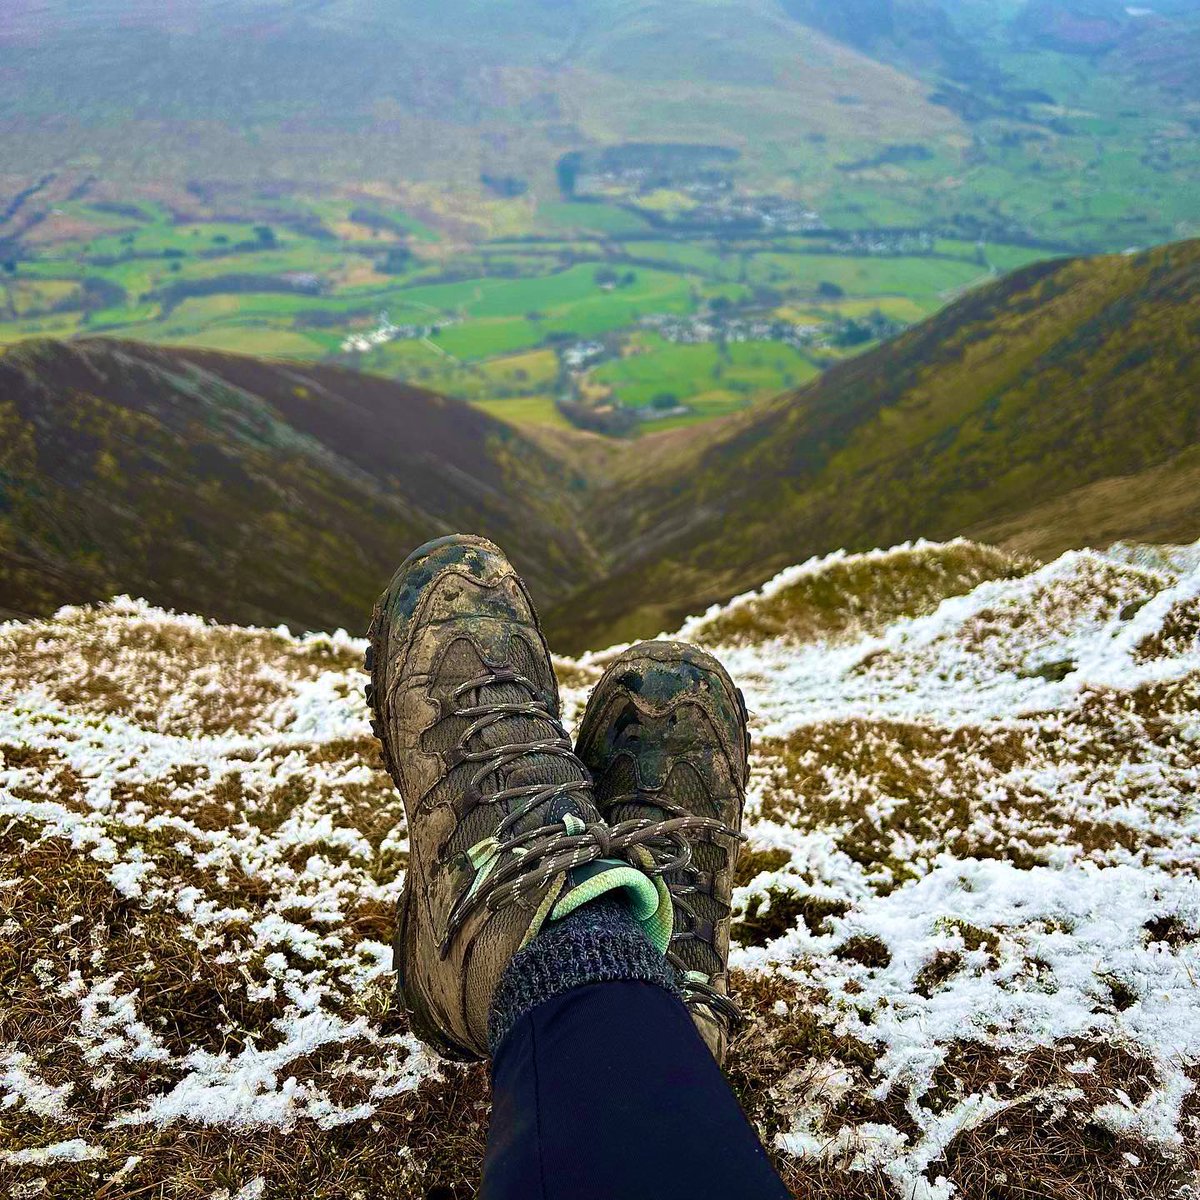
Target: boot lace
{"type": "Point", "coordinates": [697, 987]}
{"type": "Point", "coordinates": [511, 866]}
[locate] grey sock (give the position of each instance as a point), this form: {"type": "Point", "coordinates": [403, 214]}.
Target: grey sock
{"type": "Point", "coordinates": [599, 942]}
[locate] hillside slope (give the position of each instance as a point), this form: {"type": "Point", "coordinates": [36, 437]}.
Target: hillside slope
{"type": "Point", "coordinates": [405, 90]}
{"type": "Point", "coordinates": [257, 492]}
{"type": "Point", "coordinates": [1054, 408]}
{"type": "Point", "coordinates": [1056, 378]}
{"type": "Point", "coordinates": [967, 918]}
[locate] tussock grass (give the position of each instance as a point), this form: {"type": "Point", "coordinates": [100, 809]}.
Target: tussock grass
{"type": "Point", "coordinates": [858, 594]}
{"type": "Point", "coordinates": [967, 920]}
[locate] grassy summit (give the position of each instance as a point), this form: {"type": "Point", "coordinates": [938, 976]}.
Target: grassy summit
{"type": "Point", "coordinates": [967, 922]}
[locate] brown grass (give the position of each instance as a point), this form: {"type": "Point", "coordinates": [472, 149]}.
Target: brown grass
{"type": "Point", "coordinates": [100, 661]}
{"type": "Point", "coordinates": [861, 596]}
{"type": "Point", "coordinates": [1178, 633]}
{"type": "Point", "coordinates": [1040, 1148]}
{"type": "Point", "coordinates": [936, 780]}
{"type": "Point", "coordinates": [777, 912]}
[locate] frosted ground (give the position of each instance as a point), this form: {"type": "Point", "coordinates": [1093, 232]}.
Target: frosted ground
{"type": "Point", "coordinates": [968, 934]}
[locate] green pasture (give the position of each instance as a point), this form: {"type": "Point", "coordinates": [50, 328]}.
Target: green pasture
{"type": "Point", "coordinates": [591, 271]}
{"type": "Point", "coordinates": [738, 373]}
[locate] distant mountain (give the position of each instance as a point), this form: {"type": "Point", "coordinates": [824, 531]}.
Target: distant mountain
{"type": "Point", "coordinates": [1166, 54]}
{"type": "Point", "coordinates": [862, 23]}
{"type": "Point", "coordinates": [265, 95]}
{"type": "Point", "coordinates": [252, 90]}
{"type": "Point", "coordinates": [972, 42]}
{"type": "Point", "coordinates": [1075, 26]}
{"type": "Point", "coordinates": [920, 34]}
{"type": "Point", "coordinates": [1056, 407]}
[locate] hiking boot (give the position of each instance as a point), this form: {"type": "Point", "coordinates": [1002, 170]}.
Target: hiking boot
{"type": "Point", "coordinates": [665, 736]}
{"type": "Point", "coordinates": [503, 830]}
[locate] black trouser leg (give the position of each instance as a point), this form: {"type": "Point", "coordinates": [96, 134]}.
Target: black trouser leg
{"type": "Point", "coordinates": [607, 1092]}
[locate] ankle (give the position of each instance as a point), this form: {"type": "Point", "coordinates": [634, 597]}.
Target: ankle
{"type": "Point", "coordinates": [598, 943]}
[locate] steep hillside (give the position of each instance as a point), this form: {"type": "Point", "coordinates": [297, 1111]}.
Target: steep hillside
{"type": "Point", "coordinates": [252, 491]}
{"type": "Point", "coordinates": [919, 34]}
{"type": "Point", "coordinates": [967, 918]}
{"type": "Point", "coordinates": [988, 417]}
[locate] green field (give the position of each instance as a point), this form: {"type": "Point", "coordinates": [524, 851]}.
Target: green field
{"type": "Point", "coordinates": [489, 319]}
{"type": "Point", "coordinates": [713, 379]}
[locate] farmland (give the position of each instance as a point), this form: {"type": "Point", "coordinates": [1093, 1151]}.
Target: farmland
{"type": "Point", "coordinates": [509, 211]}
{"type": "Point", "coordinates": [494, 319]}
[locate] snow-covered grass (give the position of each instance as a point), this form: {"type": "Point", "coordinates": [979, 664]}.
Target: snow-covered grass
{"type": "Point", "coordinates": [968, 919]}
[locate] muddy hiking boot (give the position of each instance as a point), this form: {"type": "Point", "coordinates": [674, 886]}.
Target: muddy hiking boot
{"type": "Point", "coordinates": [504, 834]}
{"type": "Point", "coordinates": [665, 736]}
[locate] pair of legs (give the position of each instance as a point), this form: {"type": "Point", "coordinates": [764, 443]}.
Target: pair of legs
{"type": "Point", "coordinates": [566, 907]}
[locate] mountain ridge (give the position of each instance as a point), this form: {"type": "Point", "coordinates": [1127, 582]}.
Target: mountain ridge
{"type": "Point", "coordinates": [201, 474]}
{"type": "Point", "coordinates": [1019, 392]}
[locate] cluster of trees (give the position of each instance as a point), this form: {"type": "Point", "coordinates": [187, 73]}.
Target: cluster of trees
{"type": "Point", "coordinates": [610, 277]}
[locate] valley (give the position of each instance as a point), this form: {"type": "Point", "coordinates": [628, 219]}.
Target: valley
{"type": "Point", "coordinates": [599, 312]}
{"type": "Point", "coordinates": [1048, 409]}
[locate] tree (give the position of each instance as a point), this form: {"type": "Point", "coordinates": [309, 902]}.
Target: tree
{"type": "Point", "coordinates": [664, 400]}
{"type": "Point", "coordinates": [265, 235]}
{"type": "Point", "coordinates": [568, 169]}
{"type": "Point", "coordinates": [396, 261]}
{"type": "Point", "coordinates": [828, 290]}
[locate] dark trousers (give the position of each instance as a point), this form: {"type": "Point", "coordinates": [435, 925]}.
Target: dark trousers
{"type": "Point", "coordinates": [608, 1093]}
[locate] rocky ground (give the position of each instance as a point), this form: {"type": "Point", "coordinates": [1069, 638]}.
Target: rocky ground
{"type": "Point", "coordinates": [968, 920]}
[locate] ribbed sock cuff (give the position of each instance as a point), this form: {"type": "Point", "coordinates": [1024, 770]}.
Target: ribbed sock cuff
{"type": "Point", "coordinates": [595, 944]}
